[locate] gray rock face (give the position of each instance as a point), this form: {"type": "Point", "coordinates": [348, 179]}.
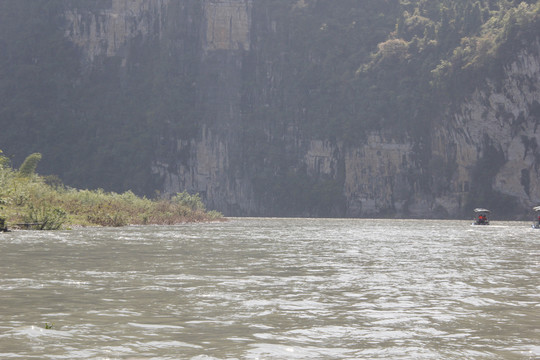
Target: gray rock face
{"type": "Point", "coordinates": [381, 174]}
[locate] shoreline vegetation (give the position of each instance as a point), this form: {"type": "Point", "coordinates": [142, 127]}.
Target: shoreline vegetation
{"type": "Point", "coordinates": [28, 200]}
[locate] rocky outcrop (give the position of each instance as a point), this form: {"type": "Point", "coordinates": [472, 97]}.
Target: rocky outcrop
{"type": "Point", "coordinates": [489, 141]}
{"type": "Point", "coordinates": [376, 177]}
{"type": "Point", "coordinates": [107, 31]}
{"type": "Point", "coordinates": [500, 117]}
{"type": "Point", "coordinates": [228, 24]}
{"type": "Point", "coordinates": [208, 169]}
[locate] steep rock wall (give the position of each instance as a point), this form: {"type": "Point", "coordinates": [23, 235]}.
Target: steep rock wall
{"type": "Point", "coordinates": [493, 132]}
{"type": "Point", "coordinates": [499, 120]}
{"type": "Point", "coordinates": [211, 167]}
{"type": "Point", "coordinates": [228, 25]}
{"type": "Point", "coordinates": [489, 141]}
{"type": "Point", "coordinates": [376, 177]}
{"type": "Point", "coordinates": [201, 164]}
{"type": "Point", "coordinates": [107, 31]}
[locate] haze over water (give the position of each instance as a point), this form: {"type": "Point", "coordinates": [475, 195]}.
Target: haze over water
{"type": "Point", "coordinates": [273, 289]}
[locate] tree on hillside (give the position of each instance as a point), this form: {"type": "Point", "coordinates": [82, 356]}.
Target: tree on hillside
{"type": "Point", "coordinates": [28, 167]}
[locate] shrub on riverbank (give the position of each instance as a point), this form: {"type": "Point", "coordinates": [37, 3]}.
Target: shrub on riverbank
{"type": "Point", "coordinates": [33, 199]}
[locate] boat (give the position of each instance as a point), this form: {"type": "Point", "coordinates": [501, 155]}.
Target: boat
{"type": "Point", "coordinates": [481, 216]}
{"type": "Point", "coordinates": [536, 224]}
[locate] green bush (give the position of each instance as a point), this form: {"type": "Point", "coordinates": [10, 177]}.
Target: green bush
{"type": "Point", "coordinates": [104, 218]}
{"type": "Point", "coordinates": [45, 217]}
{"type": "Point", "coordinates": [193, 202]}
{"type": "Point", "coordinates": [44, 201]}
{"type": "Point", "coordinates": [28, 167]}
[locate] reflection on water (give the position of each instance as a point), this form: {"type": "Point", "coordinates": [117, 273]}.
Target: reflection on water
{"type": "Point", "coordinates": [273, 289]}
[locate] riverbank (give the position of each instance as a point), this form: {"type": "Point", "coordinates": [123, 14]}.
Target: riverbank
{"type": "Point", "coordinates": [44, 202]}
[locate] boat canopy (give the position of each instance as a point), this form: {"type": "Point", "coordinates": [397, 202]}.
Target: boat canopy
{"type": "Point", "coordinates": [536, 208]}
{"type": "Point", "coordinates": [480, 210]}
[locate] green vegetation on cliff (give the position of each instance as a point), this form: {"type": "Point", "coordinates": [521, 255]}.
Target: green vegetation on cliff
{"type": "Point", "coordinates": [353, 68]}
{"type": "Point", "coordinates": [27, 198]}
{"type": "Point", "coordinates": [350, 68]}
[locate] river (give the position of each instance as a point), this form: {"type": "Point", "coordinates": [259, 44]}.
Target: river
{"type": "Point", "coordinates": [260, 288]}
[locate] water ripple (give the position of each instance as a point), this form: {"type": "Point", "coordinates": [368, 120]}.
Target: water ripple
{"type": "Point", "coordinates": [273, 289]}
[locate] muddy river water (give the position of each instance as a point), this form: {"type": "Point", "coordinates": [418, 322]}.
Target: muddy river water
{"type": "Point", "coordinates": [260, 288]}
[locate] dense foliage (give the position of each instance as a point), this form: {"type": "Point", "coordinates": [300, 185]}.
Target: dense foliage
{"type": "Point", "coordinates": [387, 64]}
{"type": "Point", "coordinates": [27, 199]}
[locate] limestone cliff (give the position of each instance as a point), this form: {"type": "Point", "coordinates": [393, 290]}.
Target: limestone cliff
{"type": "Point", "coordinates": [495, 131]}
{"type": "Point", "coordinates": [500, 118]}
{"type": "Point", "coordinates": [107, 31]}
{"type": "Point", "coordinates": [489, 140]}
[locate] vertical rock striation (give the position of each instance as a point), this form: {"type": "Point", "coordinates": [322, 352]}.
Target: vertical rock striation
{"type": "Point", "coordinates": [501, 118]}
{"type": "Point", "coordinates": [107, 31]}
